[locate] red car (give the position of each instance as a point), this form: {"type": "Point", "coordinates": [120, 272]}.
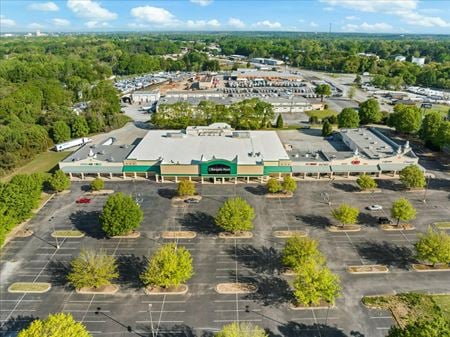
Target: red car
{"type": "Point", "coordinates": [83, 201]}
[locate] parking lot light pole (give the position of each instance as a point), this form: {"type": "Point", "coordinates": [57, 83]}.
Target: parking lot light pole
{"type": "Point", "coordinates": [53, 227]}
{"type": "Point", "coordinates": [426, 190]}
{"type": "Point", "coordinates": [151, 319]}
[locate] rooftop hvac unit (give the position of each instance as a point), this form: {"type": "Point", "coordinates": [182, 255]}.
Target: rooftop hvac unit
{"type": "Point", "coordinates": [174, 135]}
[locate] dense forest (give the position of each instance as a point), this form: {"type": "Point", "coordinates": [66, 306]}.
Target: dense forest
{"type": "Point", "coordinates": [41, 78]}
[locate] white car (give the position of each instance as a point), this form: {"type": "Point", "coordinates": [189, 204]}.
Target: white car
{"type": "Point", "coordinates": [375, 207]}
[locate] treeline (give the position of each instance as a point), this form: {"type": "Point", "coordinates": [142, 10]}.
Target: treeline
{"type": "Point", "coordinates": [17, 199]}
{"type": "Point", "coordinates": [340, 55]}
{"type": "Point", "coordinates": [244, 115]}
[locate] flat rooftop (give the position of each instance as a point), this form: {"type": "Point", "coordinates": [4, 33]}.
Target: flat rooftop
{"type": "Point", "coordinates": [199, 144]}
{"type": "Point", "coordinates": [110, 153]}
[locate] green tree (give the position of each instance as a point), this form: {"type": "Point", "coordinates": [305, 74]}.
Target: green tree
{"type": "Point", "coordinates": [169, 266]}
{"type": "Point", "coordinates": [406, 119]}
{"type": "Point", "coordinates": [97, 184]}
{"type": "Point", "coordinates": [273, 185]}
{"type": "Point", "coordinates": [288, 184]}
{"type": "Point", "coordinates": [436, 327]}
{"type": "Point", "coordinates": [327, 129]}
{"type": "Point", "coordinates": [185, 188]}
{"type": "Point", "coordinates": [434, 247]}
{"type": "Point", "coordinates": [315, 283]}
{"type": "Point", "coordinates": [79, 127]}
{"type": "Point", "coordinates": [442, 138]}
{"type": "Point", "coordinates": [402, 210]}
{"type": "Point", "coordinates": [346, 214]}
{"type": "Point", "coordinates": [322, 90]}
{"type": "Point", "coordinates": [351, 92]}
{"type": "Point", "coordinates": [412, 177]}
{"type": "Point", "coordinates": [92, 269]}
{"type": "Point", "coordinates": [348, 118]}
{"type": "Point", "coordinates": [369, 111]}
{"type": "Point", "coordinates": [59, 181]}
{"type": "Point", "coordinates": [121, 215]}
{"type": "Point", "coordinates": [60, 132]}
{"type": "Point", "coordinates": [366, 182]}
{"type": "Point", "coordinates": [299, 250]}
{"type": "Point", "coordinates": [430, 127]}
{"type": "Point", "coordinates": [235, 215]}
{"type": "Point", "coordinates": [55, 325]}
{"type": "Point", "coordinates": [280, 122]}
{"type": "Point", "coordinates": [241, 330]}
{"type": "Point", "coordinates": [357, 80]}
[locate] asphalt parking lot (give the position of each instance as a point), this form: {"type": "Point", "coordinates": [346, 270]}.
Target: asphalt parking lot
{"type": "Point", "coordinates": [202, 311]}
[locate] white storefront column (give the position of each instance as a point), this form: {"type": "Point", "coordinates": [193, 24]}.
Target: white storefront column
{"type": "Point", "coordinates": [248, 180]}
{"type": "Point", "coordinates": [202, 180]}
{"type": "Point", "coordinates": [124, 175]}
{"type": "Point", "coordinates": [235, 180]}
{"type": "Point", "coordinates": [135, 175]}
{"type": "Point", "coordinates": [146, 175]}
{"type": "Point", "coordinates": [162, 179]}
{"type": "Point", "coordinates": [176, 179]}
{"type": "Point", "coordinates": [98, 174]}
{"type": "Point", "coordinates": [70, 175]}
{"type": "Point", "coordinates": [318, 175]}
{"type": "Point", "coordinates": [82, 176]}
{"type": "Point", "coordinates": [214, 180]}
{"type": "Point", "coordinates": [110, 175]}
{"type": "Point", "coordinates": [156, 178]}
{"type": "Point", "coordinates": [190, 178]}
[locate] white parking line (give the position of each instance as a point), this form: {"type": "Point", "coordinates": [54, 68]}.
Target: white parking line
{"type": "Point", "coordinates": [232, 320]}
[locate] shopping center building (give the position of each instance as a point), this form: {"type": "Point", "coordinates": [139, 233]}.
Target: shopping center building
{"type": "Point", "coordinates": [217, 153]}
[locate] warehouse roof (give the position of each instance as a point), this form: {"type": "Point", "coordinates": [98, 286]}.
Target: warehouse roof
{"type": "Point", "coordinates": [109, 153]}
{"type": "Point", "coordinates": [200, 144]}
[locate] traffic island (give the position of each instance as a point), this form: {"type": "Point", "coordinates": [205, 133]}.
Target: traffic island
{"type": "Point", "coordinates": [184, 198]}
{"type": "Point", "coordinates": [29, 287]}
{"type": "Point", "coordinates": [288, 272]}
{"type": "Point", "coordinates": [280, 195]}
{"type": "Point", "coordinates": [63, 192]}
{"type": "Point", "coordinates": [443, 225]}
{"type": "Point", "coordinates": [236, 235]}
{"type": "Point", "coordinates": [131, 235]}
{"type": "Point", "coordinates": [421, 268]}
{"type": "Point", "coordinates": [101, 192]}
{"type": "Point", "coordinates": [377, 190]}
{"type": "Point", "coordinates": [67, 234]}
{"type": "Point", "coordinates": [109, 289]}
{"type": "Point", "coordinates": [289, 233]}
{"type": "Point", "coordinates": [393, 228]}
{"type": "Point", "coordinates": [368, 269]}
{"type": "Point", "coordinates": [415, 190]}
{"type": "Point", "coordinates": [320, 305]}
{"type": "Point", "coordinates": [347, 228]}
{"type": "Point", "coordinates": [235, 288]}
{"type": "Point", "coordinates": [178, 235]}
{"type": "Point", "coordinates": [182, 289]}
{"type": "Point", "coordinates": [23, 233]}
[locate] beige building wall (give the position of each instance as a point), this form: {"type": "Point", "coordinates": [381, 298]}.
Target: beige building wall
{"type": "Point", "coordinates": [180, 169]}
{"type": "Point", "coordinates": [250, 170]}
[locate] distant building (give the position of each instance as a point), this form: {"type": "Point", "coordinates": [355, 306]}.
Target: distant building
{"type": "Point", "coordinates": [144, 96]}
{"type": "Point", "coordinates": [369, 55]}
{"type": "Point", "coordinates": [269, 62]}
{"type": "Point", "coordinates": [420, 61]}
{"type": "Point", "coordinates": [400, 58]}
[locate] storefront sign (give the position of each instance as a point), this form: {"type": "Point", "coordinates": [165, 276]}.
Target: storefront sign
{"type": "Point", "coordinates": [219, 169]}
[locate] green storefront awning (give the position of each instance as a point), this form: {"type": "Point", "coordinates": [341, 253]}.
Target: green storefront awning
{"type": "Point", "coordinates": [277, 169]}
{"type": "Point", "coordinates": [311, 169]}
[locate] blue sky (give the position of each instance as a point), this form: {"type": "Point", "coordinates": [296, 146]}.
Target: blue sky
{"type": "Point", "coordinates": [367, 16]}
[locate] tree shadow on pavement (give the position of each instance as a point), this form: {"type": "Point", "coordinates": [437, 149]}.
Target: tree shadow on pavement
{"type": "Point", "coordinates": [179, 330]}
{"type": "Point", "coordinates": [167, 193]}
{"type": "Point", "coordinates": [260, 259]}
{"type": "Point", "coordinates": [58, 272]}
{"type": "Point", "coordinates": [256, 190]}
{"type": "Point", "coordinates": [317, 221]}
{"type": "Point", "coordinates": [200, 222]}
{"type": "Point", "coordinates": [14, 324]}
{"type": "Point", "coordinates": [130, 268]}
{"type": "Point", "coordinates": [88, 222]}
{"type": "Point", "coordinates": [346, 187]}
{"type": "Point", "coordinates": [386, 253]}
{"type": "Point", "coordinates": [368, 219]}
{"type": "Point", "coordinates": [296, 329]}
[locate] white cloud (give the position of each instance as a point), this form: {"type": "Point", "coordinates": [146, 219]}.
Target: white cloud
{"type": "Point", "coordinates": [374, 5]}
{"type": "Point", "coordinates": [35, 25]}
{"type": "Point", "coordinates": [91, 10]}
{"type": "Point", "coordinates": [367, 27]}
{"type": "Point", "coordinates": [96, 24]}
{"type": "Point", "coordinates": [313, 24]}
{"type": "Point", "coordinates": [267, 24]}
{"type": "Point", "coordinates": [236, 23]}
{"type": "Point", "coordinates": [44, 6]}
{"type": "Point", "coordinates": [60, 22]}
{"type": "Point", "coordinates": [5, 22]}
{"type": "Point", "coordinates": [202, 2]}
{"type": "Point", "coordinates": [198, 24]}
{"type": "Point", "coordinates": [154, 15]}
{"type": "Point", "coordinates": [328, 9]}
{"type": "Point", "coordinates": [406, 10]}
{"type": "Point", "coordinates": [351, 18]}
